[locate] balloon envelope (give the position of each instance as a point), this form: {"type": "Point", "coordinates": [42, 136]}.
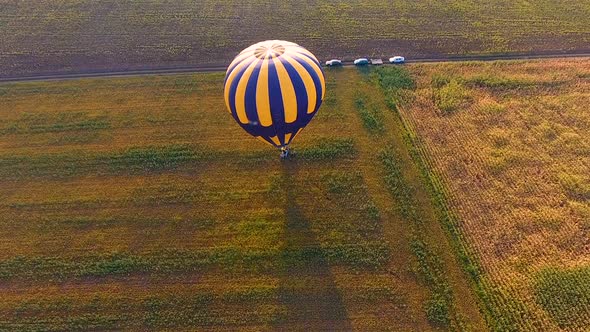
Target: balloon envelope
{"type": "Point", "coordinates": [273, 89]}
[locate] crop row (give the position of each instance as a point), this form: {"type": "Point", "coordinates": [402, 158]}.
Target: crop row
{"type": "Point", "coordinates": [238, 306]}
{"type": "Point", "coordinates": [189, 314]}
{"type": "Point", "coordinates": [370, 115]}
{"type": "Point", "coordinates": [430, 265]}
{"type": "Point", "coordinates": [48, 222]}
{"type": "Point", "coordinates": [136, 160]}
{"type": "Point", "coordinates": [236, 294]}
{"type": "Point", "coordinates": [58, 126]}
{"type": "Point", "coordinates": [362, 255]}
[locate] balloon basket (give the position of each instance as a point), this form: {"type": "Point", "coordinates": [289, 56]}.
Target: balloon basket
{"type": "Point", "coordinates": [286, 153]}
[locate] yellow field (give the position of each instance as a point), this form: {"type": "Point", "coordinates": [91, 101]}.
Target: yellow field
{"type": "Point", "coordinates": [137, 203]}
{"type": "Point", "coordinates": [511, 141]}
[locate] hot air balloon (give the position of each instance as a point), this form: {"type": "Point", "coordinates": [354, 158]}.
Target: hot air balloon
{"type": "Point", "coordinates": [273, 89]}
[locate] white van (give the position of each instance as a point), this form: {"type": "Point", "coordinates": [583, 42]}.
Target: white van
{"type": "Point", "coordinates": [333, 62]}
{"type": "Point", "coordinates": [397, 59]}
{"type": "Point", "coordinates": [361, 62]}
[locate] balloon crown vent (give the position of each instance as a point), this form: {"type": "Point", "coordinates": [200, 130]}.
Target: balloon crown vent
{"type": "Point", "coordinates": [273, 51]}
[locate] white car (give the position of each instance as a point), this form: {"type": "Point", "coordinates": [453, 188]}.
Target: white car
{"type": "Point", "coordinates": [361, 62]}
{"type": "Point", "coordinates": [397, 59]}
{"type": "Point", "coordinates": [333, 62]}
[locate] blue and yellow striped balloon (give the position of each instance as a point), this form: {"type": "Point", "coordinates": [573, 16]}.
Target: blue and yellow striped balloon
{"type": "Point", "coordinates": [273, 89]}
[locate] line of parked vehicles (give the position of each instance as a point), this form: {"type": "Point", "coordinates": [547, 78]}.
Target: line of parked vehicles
{"type": "Point", "coordinates": [365, 61]}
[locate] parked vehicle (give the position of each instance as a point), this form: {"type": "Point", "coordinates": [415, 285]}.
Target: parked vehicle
{"type": "Point", "coordinates": [361, 62]}
{"type": "Point", "coordinates": [397, 59]}
{"type": "Point", "coordinates": [376, 62]}
{"type": "Point", "coordinates": [333, 62]}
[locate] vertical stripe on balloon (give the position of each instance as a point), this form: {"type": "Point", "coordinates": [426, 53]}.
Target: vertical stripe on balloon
{"type": "Point", "coordinates": [288, 92]}
{"type": "Point", "coordinates": [241, 93]}
{"type": "Point", "coordinates": [316, 68]}
{"type": "Point", "coordinates": [262, 96]}
{"type": "Point", "coordinates": [312, 74]}
{"type": "Point", "coordinates": [307, 81]}
{"type": "Point", "coordinates": [276, 140]}
{"type": "Point", "coordinates": [251, 110]}
{"type": "Point", "coordinates": [299, 87]}
{"type": "Point", "coordinates": [237, 61]}
{"type": "Point", "coordinates": [233, 87]}
{"type": "Point", "coordinates": [230, 81]}
{"type": "Point", "coordinates": [276, 97]}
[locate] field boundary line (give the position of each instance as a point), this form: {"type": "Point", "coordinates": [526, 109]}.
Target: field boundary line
{"type": "Point", "coordinates": [465, 254]}
{"type": "Point", "coordinates": [217, 68]}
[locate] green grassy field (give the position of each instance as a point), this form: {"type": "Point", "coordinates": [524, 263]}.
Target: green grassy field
{"type": "Point", "coordinates": [60, 36]}
{"type": "Point", "coordinates": [137, 203]}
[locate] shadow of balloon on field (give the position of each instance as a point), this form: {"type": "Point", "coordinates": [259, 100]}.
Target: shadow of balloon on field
{"type": "Point", "coordinates": [307, 289]}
